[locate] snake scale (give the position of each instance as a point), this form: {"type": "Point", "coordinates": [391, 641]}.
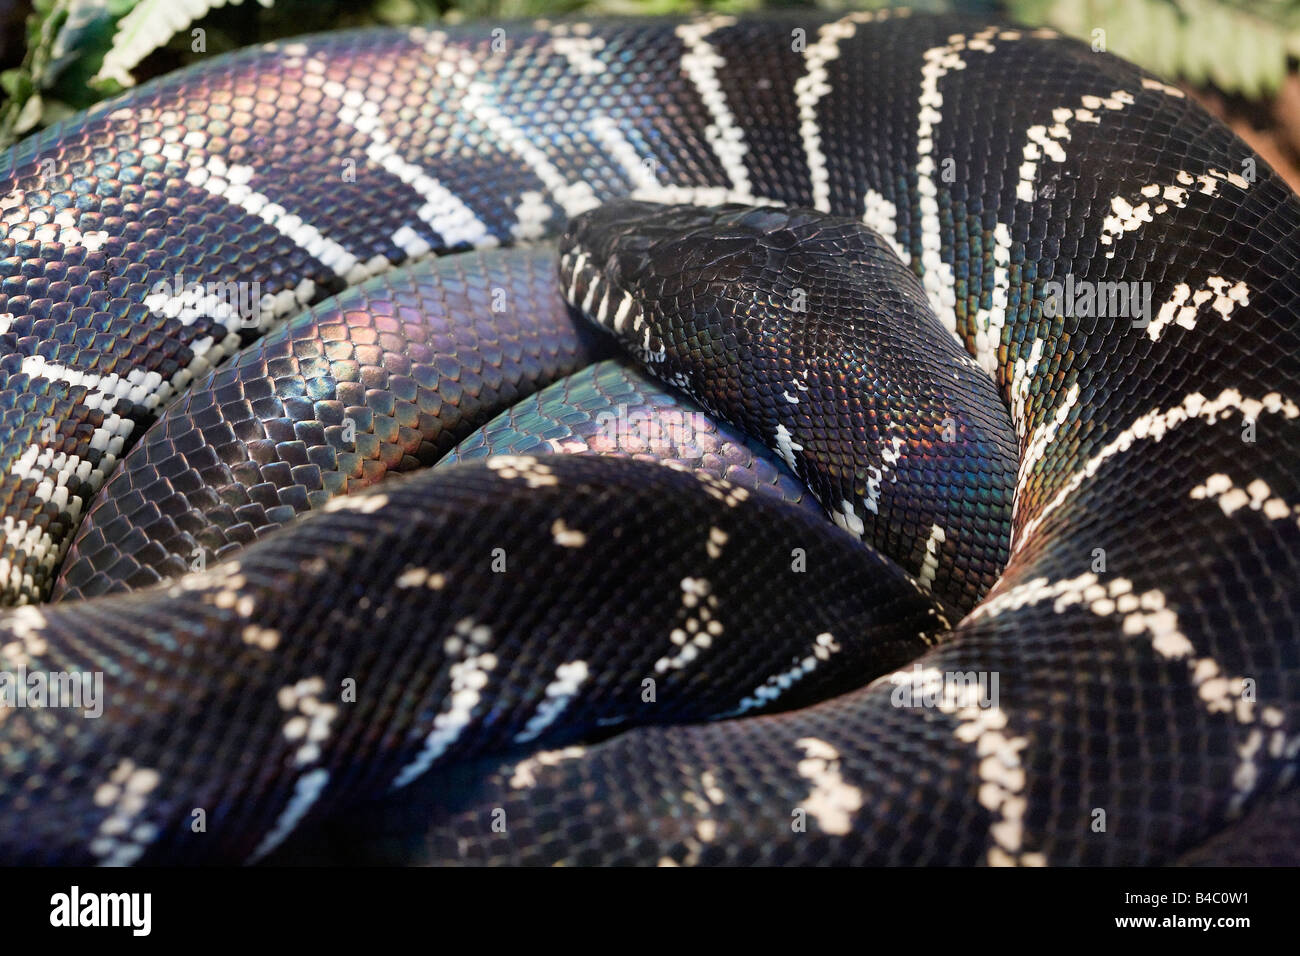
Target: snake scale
{"type": "Point", "coordinates": [1053, 619]}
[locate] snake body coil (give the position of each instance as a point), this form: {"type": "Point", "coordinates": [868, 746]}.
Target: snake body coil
{"type": "Point", "coordinates": [620, 658]}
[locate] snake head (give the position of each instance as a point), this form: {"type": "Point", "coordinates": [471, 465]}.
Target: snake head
{"type": "Point", "coordinates": [809, 333]}
{"type": "Point", "coordinates": [691, 290]}
{"type": "Point", "coordinates": [663, 280]}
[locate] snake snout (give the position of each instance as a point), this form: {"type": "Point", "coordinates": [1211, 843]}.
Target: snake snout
{"type": "Point", "coordinates": [603, 254]}
{"type": "Point", "coordinates": [624, 263]}
{"type": "Point", "coordinates": [610, 239]}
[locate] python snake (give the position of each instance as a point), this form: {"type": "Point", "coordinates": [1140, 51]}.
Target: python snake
{"type": "Point", "coordinates": [544, 658]}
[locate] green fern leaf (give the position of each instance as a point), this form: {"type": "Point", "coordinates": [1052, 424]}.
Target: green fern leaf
{"type": "Point", "coordinates": [146, 28]}
{"type": "Point", "coordinates": [1242, 46]}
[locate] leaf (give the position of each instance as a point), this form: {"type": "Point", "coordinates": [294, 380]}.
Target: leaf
{"type": "Point", "coordinates": [146, 28]}
{"type": "Point", "coordinates": [56, 111]}
{"type": "Point", "coordinates": [29, 115]}
{"type": "Point", "coordinates": [1239, 45]}
{"type": "Point", "coordinates": [86, 20]}
{"type": "Point", "coordinates": [23, 109]}
{"type": "Point", "coordinates": [79, 50]}
{"type": "Point", "coordinates": [17, 84]}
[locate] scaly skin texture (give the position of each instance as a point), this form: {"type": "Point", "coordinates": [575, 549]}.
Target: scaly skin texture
{"type": "Point", "coordinates": [253, 657]}
{"type": "Point", "coordinates": [382, 379]}
{"type": "Point", "coordinates": [1145, 634]}
{"type": "Point", "coordinates": [612, 408]}
{"type": "Point", "coordinates": [846, 372]}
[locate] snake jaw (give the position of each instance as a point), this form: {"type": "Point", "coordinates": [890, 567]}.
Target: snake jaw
{"type": "Point", "coordinates": [592, 284]}
{"type": "Point", "coordinates": [620, 261]}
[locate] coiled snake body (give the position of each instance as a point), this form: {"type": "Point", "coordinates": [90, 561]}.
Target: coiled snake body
{"type": "Point", "coordinates": [1069, 637]}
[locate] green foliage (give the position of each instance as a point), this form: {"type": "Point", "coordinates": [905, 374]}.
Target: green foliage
{"type": "Point", "coordinates": [23, 107]}
{"type": "Point", "coordinates": [147, 26]}
{"type": "Point", "coordinates": [1241, 46]}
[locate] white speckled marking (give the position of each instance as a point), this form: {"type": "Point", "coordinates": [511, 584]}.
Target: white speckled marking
{"type": "Point", "coordinates": [103, 391]}
{"type": "Point", "coordinates": [422, 578]}
{"type": "Point", "coordinates": [366, 504]}
{"type": "Point", "coordinates": [574, 42]}
{"type": "Point", "coordinates": [700, 62]}
{"type": "Point", "coordinates": [698, 626]}
{"type": "Point", "coordinates": [559, 695]}
{"type": "Point", "coordinates": [266, 638]}
{"type": "Point", "coordinates": [889, 457]}
{"type": "Point", "coordinates": [445, 213]}
{"type": "Point", "coordinates": [847, 518]}
{"type": "Point", "coordinates": [1146, 614]}
{"type": "Point", "coordinates": [1153, 426]}
{"type": "Point", "coordinates": [1185, 305]}
{"type": "Point", "coordinates": [1128, 214]}
{"type": "Point", "coordinates": [786, 446]}
{"type": "Point", "coordinates": [307, 789]}
{"type": "Point", "coordinates": [1001, 773]}
{"type": "Point", "coordinates": [701, 798]}
{"type": "Point", "coordinates": [231, 184]}
{"type": "Point", "coordinates": [532, 471]}
{"type": "Point", "coordinates": [524, 775]}
{"type": "Point", "coordinates": [810, 88]}
{"type": "Point", "coordinates": [832, 802]}
{"type": "Point", "coordinates": [930, 562]}
{"type": "Point", "coordinates": [1037, 445]}
{"type": "Point", "coordinates": [122, 836]}
{"type": "Point", "coordinates": [565, 536]}
{"type": "Point", "coordinates": [1150, 84]}
{"type": "Point", "coordinates": [479, 101]}
{"type": "Point", "coordinates": [25, 624]}
{"type": "Point", "coordinates": [1256, 496]}
{"type": "Point", "coordinates": [937, 275]}
{"type": "Point", "coordinates": [639, 173]}
{"type": "Point", "coordinates": [881, 215]}
{"type": "Point", "coordinates": [62, 230]}
{"type": "Point", "coordinates": [531, 216]}
{"type": "Point", "coordinates": [309, 723]}
{"type": "Point", "coordinates": [469, 670]}
{"type": "Point", "coordinates": [823, 649]}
